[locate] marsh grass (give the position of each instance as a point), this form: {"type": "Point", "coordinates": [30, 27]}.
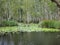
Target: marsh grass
{"type": "Point", "coordinates": [26, 28]}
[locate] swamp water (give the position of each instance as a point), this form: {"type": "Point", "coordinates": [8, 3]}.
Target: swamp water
{"type": "Point", "coordinates": [30, 38]}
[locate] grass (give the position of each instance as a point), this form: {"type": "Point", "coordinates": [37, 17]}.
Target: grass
{"type": "Point", "coordinates": [34, 28]}
{"type": "Point", "coordinates": [8, 29]}
{"type": "Point", "coordinates": [26, 28]}
{"type": "Point", "coordinates": [37, 29]}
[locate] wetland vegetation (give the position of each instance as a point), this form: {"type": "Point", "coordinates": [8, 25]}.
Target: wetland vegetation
{"type": "Point", "coordinates": [29, 22]}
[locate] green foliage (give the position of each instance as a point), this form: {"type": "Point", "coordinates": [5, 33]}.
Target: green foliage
{"type": "Point", "coordinates": [50, 24]}
{"type": "Point", "coordinates": [34, 28]}
{"type": "Point", "coordinates": [31, 28]}
{"type": "Point", "coordinates": [57, 25]}
{"type": "Point", "coordinates": [47, 24]}
{"type": "Point", "coordinates": [19, 8]}
{"type": "Point", "coordinates": [8, 23]}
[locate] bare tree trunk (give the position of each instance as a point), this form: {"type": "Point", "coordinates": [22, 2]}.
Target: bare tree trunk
{"type": "Point", "coordinates": [28, 17]}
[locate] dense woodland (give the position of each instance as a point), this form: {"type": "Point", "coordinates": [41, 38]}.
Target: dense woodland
{"type": "Point", "coordinates": [29, 11]}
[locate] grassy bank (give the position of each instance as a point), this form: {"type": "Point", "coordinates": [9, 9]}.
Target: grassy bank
{"type": "Point", "coordinates": [36, 29]}
{"type": "Point", "coordinates": [8, 29]}
{"type": "Point", "coordinates": [26, 28]}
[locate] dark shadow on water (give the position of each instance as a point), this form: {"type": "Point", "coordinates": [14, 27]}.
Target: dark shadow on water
{"type": "Point", "coordinates": [30, 38]}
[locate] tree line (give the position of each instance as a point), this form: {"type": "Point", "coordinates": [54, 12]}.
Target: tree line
{"type": "Point", "coordinates": [29, 11]}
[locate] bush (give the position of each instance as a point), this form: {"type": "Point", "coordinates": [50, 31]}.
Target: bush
{"type": "Point", "coordinates": [57, 25]}
{"type": "Point", "coordinates": [50, 24]}
{"type": "Point", "coordinates": [8, 23]}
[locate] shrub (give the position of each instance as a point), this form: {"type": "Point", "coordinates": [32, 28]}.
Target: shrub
{"type": "Point", "coordinates": [49, 24]}
{"type": "Point", "coordinates": [8, 23]}
{"type": "Point", "coordinates": [57, 25]}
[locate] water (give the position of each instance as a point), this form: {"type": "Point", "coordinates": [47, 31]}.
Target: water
{"type": "Point", "coordinates": [30, 38]}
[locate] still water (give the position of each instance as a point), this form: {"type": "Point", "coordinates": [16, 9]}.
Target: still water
{"type": "Point", "coordinates": [30, 38]}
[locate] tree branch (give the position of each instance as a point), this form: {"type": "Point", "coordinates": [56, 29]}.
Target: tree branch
{"type": "Point", "coordinates": [57, 2]}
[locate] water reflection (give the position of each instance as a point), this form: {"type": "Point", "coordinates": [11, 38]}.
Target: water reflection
{"type": "Point", "coordinates": [30, 38]}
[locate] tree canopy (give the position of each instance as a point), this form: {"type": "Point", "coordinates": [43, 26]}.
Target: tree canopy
{"type": "Point", "coordinates": [29, 10]}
